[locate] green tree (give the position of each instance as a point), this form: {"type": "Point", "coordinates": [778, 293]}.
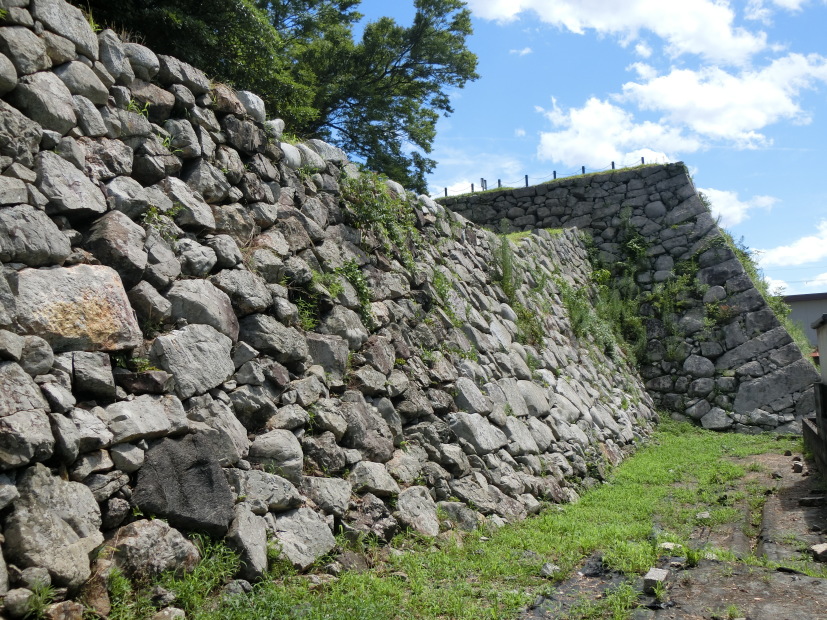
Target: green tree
{"type": "Point", "coordinates": [378, 98]}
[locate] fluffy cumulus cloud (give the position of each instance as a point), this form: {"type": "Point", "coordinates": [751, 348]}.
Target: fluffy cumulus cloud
{"type": "Point", "coordinates": [601, 132]}
{"type": "Point", "coordinates": [733, 107]}
{"type": "Point", "coordinates": [703, 27]}
{"type": "Point", "coordinates": [807, 249]}
{"type": "Point", "coordinates": [732, 210]}
{"type": "Point", "coordinates": [763, 10]}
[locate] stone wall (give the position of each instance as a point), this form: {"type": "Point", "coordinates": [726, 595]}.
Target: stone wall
{"type": "Point", "coordinates": [716, 353]}
{"type": "Point", "coordinates": [195, 325]}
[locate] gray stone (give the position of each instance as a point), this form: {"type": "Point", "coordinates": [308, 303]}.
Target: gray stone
{"type": "Point", "coordinates": [248, 536]}
{"type": "Point", "coordinates": [127, 457]}
{"type": "Point", "coordinates": [144, 417]}
{"type": "Point", "coordinates": [373, 478]}
{"type": "Point", "coordinates": [194, 212]}
{"type": "Point", "coordinates": [698, 366]}
{"type": "Point", "coordinates": [280, 451]}
{"type": "Point", "coordinates": [81, 80]}
{"type": "Point", "coordinates": [197, 356]}
{"type": "Point", "coordinates": [44, 98]}
{"type": "Point", "coordinates": [534, 397]}
{"type": "Point", "coordinates": [67, 21]}
{"type": "Point", "coordinates": [332, 495]}
{"type": "Point", "coordinates": [331, 353]}
{"type": "Point", "coordinates": [263, 492]}
{"type": "Point", "coordinates": [106, 159]}
{"type": "Point", "coordinates": [520, 439]}
{"type": "Point", "coordinates": [231, 443]}
{"type": "Point", "coordinates": [25, 49]}
{"type": "Point", "coordinates": [126, 195]}
{"type": "Point", "coordinates": [92, 374]}
{"type": "Point", "coordinates": [183, 139]}
{"type": "Point", "coordinates": [367, 430]}
{"type": "Point", "coordinates": [717, 420]}
{"type": "Point", "coordinates": [323, 455]}
{"type": "Point", "coordinates": [29, 236]}
{"type": "Point", "coordinates": [151, 307]}
{"type": "Point", "coordinates": [346, 324]}
{"type": "Point", "coordinates": [182, 481]}
{"type": "Point", "coordinates": [19, 135]}
{"type": "Point", "coordinates": [226, 250]}
{"type": "Point", "coordinates": [8, 75]}
{"type": "Point", "coordinates": [247, 291]}
{"type": "Point", "coordinates": [269, 336]}
{"type": "Point", "coordinates": [144, 62]}
{"type": "Point", "coordinates": [199, 302]}
{"type": "Point", "coordinates": [11, 347]}
{"type": "Point", "coordinates": [417, 510]}
{"type": "Point", "coordinates": [303, 537]}
{"type": "Point", "coordinates": [53, 524]}
{"type": "Point", "coordinates": [157, 102]}
{"type": "Point", "coordinates": [253, 105]}
{"type": "Point", "coordinates": [760, 392]}
{"type": "Point", "coordinates": [77, 308]}
{"type": "Point", "coordinates": [477, 431]}
{"type": "Point", "coordinates": [37, 357]}
{"type": "Point", "coordinates": [207, 180]}
{"type": "Point", "coordinates": [69, 191]}
{"type": "Point", "coordinates": [118, 242]}
{"type": "Point", "coordinates": [469, 398]}
{"type": "Point", "coordinates": [196, 259]}
{"type": "Point", "coordinates": [147, 548]}
{"type": "Point", "coordinates": [114, 58]}
{"type": "Point", "coordinates": [25, 436]}
{"type": "Point", "coordinates": [461, 515]}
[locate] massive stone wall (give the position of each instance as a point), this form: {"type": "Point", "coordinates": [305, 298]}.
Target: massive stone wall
{"type": "Point", "coordinates": [195, 325]}
{"type": "Point", "coordinates": [716, 353]}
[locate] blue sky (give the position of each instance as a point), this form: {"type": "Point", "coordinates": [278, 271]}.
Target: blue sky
{"type": "Point", "coordinates": [737, 90]}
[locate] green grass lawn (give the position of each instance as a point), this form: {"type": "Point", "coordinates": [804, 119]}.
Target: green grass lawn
{"type": "Point", "coordinates": [654, 496]}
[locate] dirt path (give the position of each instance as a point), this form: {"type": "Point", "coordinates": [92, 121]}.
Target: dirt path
{"type": "Point", "coordinates": [793, 518]}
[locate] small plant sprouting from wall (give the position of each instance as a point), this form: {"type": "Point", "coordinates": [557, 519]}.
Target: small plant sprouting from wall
{"type": "Point", "coordinates": [371, 205]}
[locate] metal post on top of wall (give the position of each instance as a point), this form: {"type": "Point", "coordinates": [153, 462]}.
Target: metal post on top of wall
{"type": "Point", "coordinates": [526, 180]}
{"type": "Point", "coordinates": [583, 168]}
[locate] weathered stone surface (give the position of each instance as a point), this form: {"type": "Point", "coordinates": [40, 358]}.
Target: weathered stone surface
{"type": "Point", "coordinates": [17, 390]}
{"type": "Point", "coordinates": [147, 548]}
{"type": "Point", "coordinates": [44, 98]}
{"type": "Point", "coordinates": [144, 417]}
{"type": "Point", "coordinates": [144, 62]}
{"type": "Point", "coordinates": [330, 494]}
{"type": "Point", "coordinates": [117, 241]}
{"type": "Point", "coordinates": [25, 436]}
{"type": "Point", "coordinates": [53, 524]}
{"type": "Point", "coordinates": [762, 391]}
{"type": "Point", "coordinates": [373, 478]}
{"type": "Point", "coordinates": [280, 451]}
{"type": "Point", "coordinates": [113, 57]}
{"type": "Point", "coordinates": [207, 180]}
{"type": "Point", "coordinates": [198, 301]}
{"type": "Point", "coordinates": [478, 432]}
{"type": "Point", "coordinates": [196, 260]}
{"type": "Point", "coordinates": [8, 75]}
{"type": "Point", "coordinates": [323, 454]}
{"type": "Point", "coordinates": [303, 536]}
{"type": "Point", "coordinates": [416, 510]}
{"type": "Point", "coordinates": [182, 481]}
{"type": "Point", "coordinates": [106, 159]}
{"type": "Point", "coordinates": [81, 80]}
{"type": "Point", "coordinates": [25, 49]}
{"type": "Point", "coordinates": [92, 373]}
{"type": "Point", "coordinates": [262, 491]}
{"type": "Point", "coordinates": [266, 334]}
{"type": "Point", "coordinates": [367, 430]}
{"type": "Point", "coordinates": [84, 307]}
{"type": "Point", "coordinates": [247, 291]}
{"type": "Point", "coordinates": [232, 443]}
{"type": "Point", "coordinates": [68, 21]}
{"type": "Point", "coordinates": [469, 398]}
{"type": "Point", "coordinates": [248, 536]}
{"type": "Point", "coordinates": [19, 135]}
{"type": "Point", "coordinates": [68, 190]}
{"type": "Point", "coordinates": [329, 352]}
{"type": "Point", "coordinates": [197, 356]}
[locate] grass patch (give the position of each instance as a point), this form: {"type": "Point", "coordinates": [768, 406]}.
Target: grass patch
{"type": "Point", "coordinates": [653, 496]}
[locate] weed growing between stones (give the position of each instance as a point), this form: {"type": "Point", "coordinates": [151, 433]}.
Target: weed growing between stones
{"type": "Point", "coordinates": [351, 272]}
{"type": "Point", "coordinates": [372, 205]}
{"type": "Point", "coordinates": [489, 573]}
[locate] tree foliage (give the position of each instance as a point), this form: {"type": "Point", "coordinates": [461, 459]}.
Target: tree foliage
{"type": "Point", "coordinates": [379, 98]}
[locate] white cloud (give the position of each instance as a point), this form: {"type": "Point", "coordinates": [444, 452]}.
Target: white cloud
{"type": "Point", "coordinates": [819, 281]}
{"type": "Point", "coordinates": [777, 287]}
{"type": "Point", "coordinates": [730, 107]}
{"type": "Point", "coordinates": [523, 52]}
{"type": "Point", "coordinates": [643, 70]}
{"type": "Point", "coordinates": [519, 133]}
{"type": "Point", "coordinates": [601, 132]}
{"type": "Point", "coordinates": [808, 249]}
{"type": "Point", "coordinates": [643, 49]}
{"type": "Point", "coordinates": [758, 10]}
{"type": "Point", "coordinates": [703, 27]}
{"type": "Point", "coordinates": [731, 209]}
